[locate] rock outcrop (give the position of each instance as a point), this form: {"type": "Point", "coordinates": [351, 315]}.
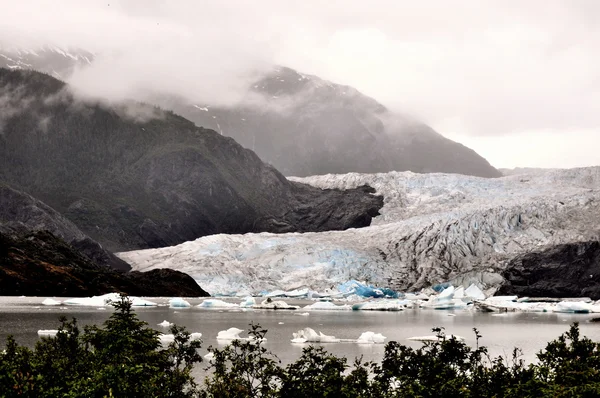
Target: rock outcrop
{"type": "Point", "coordinates": [567, 270]}
{"type": "Point", "coordinates": [41, 264]}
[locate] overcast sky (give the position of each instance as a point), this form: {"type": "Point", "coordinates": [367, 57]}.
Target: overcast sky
{"type": "Point", "coordinates": [518, 81]}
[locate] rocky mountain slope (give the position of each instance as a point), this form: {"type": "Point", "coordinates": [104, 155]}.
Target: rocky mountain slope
{"type": "Point", "coordinates": [134, 176]}
{"type": "Point", "coordinates": [433, 228]}
{"type": "Point", "coordinates": [20, 213]}
{"type": "Point", "coordinates": [301, 124]}
{"type": "Point", "coordinates": [41, 264]}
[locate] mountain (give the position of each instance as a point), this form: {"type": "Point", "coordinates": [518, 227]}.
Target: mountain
{"type": "Point", "coordinates": [301, 124]}
{"type": "Point", "coordinates": [433, 228]}
{"type": "Point", "coordinates": [20, 213]}
{"type": "Point", "coordinates": [134, 176]}
{"type": "Point", "coordinates": [41, 264]}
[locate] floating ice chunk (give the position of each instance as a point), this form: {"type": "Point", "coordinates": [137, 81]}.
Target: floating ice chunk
{"type": "Point", "coordinates": [446, 294]}
{"type": "Point", "coordinates": [166, 338]}
{"type": "Point", "coordinates": [303, 314]}
{"type": "Point", "coordinates": [364, 290]}
{"type": "Point", "coordinates": [297, 293]}
{"type": "Point", "coordinates": [230, 334]}
{"type": "Point", "coordinates": [269, 304]}
{"type": "Point", "coordinates": [308, 335]}
{"type": "Point", "coordinates": [276, 293]}
{"type": "Point", "coordinates": [280, 323]}
{"type": "Point", "coordinates": [178, 302]}
{"type": "Point", "coordinates": [474, 292]}
{"type": "Point", "coordinates": [101, 308]}
{"type": "Point", "coordinates": [95, 301]}
{"type": "Point", "coordinates": [248, 302]}
{"type": "Point", "coordinates": [327, 306]}
{"type": "Point", "coordinates": [139, 302]}
{"type": "Point", "coordinates": [445, 304]}
{"type": "Point", "coordinates": [50, 301]}
{"type": "Point", "coordinates": [165, 324]}
{"type": "Point", "coordinates": [47, 332]}
{"type": "Point", "coordinates": [371, 338]}
{"type": "Point", "coordinates": [416, 296]}
{"type": "Point", "coordinates": [216, 303]}
{"type": "Point", "coordinates": [459, 292]}
{"type": "Point", "coordinates": [576, 307]}
{"type": "Point", "coordinates": [434, 338]}
{"type": "Point", "coordinates": [209, 356]}
{"type": "Point", "coordinates": [381, 305]}
{"type": "Point", "coordinates": [195, 336]}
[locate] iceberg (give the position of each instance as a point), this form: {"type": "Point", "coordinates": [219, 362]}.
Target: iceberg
{"type": "Point", "coordinates": [166, 338]}
{"type": "Point", "coordinates": [139, 302]}
{"type": "Point", "coordinates": [474, 292]}
{"type": "Point", "coordinates": [308, 335]}
{"type": "Point", "coordinates": [178, 302]}
{"type": "Point", "coordinates": [381, 305]}
{"type": "Point", "coordinates": [574, 307]}
{"type": "Point", "coordinates": [327, 306]}
{"type": "Point", "coordinates": [230, 334]}
{"type": "Point", "coordinates": [165, 324]}
{"type": "Point", "coordinates": [269, 304]}
{"type": "Point", "coordinates": [371, 338]}
{"type": "Point", "coordinates": [216, 303]}
{"type": "Point", "coordinates": [275, 293]}
{"type": "Point", "coordinates": [248, 302]}
{"type": "Point", "coordinates": [297, 293]}
{"type": "Point", "coordinates": [95, 301]}
{"type": "Point", "coordinates": [48, 332]}
{"type": "Point", "coordinates": [50, 301]}
{"type": "Point", "coordinates": [364, 290]}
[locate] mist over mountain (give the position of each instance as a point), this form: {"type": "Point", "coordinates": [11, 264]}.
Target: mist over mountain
{"type": "Point", "coordinates": [134, 176]}
{"type": "Point", "coordinates": [301, 124]}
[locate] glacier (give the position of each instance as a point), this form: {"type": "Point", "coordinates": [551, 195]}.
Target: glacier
{"type": "Point", "coordinates": [433, 229]}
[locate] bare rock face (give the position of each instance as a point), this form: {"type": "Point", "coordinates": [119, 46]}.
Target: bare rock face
{"type": "Point", "coordinates": [41, 264]}
{"type": "Point", "coordinates": [20, 212]}
{"type": "Point", "coordinates": [132, 176]}
{"type": "Point", "coordinates": [567, 270]}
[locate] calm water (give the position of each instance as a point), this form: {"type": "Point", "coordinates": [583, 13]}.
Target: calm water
{"type": "Point", "coordinates": [22, 317]}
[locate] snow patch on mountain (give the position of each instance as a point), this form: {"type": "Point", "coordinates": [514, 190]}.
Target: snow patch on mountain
{"type": "Point", "coordinates": [433, 228]}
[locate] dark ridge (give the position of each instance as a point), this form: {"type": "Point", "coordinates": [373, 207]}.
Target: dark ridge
{"type": "Point", "coordinates": [567, 270]}
{"type": "Point", "coordinates": [41, 264]}
{"type": "Point", "coordinates": [133, 176]}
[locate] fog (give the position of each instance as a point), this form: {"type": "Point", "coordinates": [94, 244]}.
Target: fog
{"type": "Point", "coordinates": [519, 82]}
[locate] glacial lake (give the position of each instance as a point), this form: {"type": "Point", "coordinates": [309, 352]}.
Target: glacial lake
{"type": "Point", "coordinates": [22, 317]}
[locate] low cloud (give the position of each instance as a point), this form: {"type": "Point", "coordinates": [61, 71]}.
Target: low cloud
{"type": "Point", "coordinates": [468, 68]}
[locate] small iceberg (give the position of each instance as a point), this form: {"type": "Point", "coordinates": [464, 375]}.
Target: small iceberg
{"type": "Point", "coordinates": [50, 301]}
{"type": "Point", "coordinates": [371, 338]}
{"type": "Point", "coordinates": [364, 290]}
{"type": "Point", "coordinates": [47, 333]}
{"type": "Point", "coordinates": [248, 302]}
{"type": "Point", "coordinates": [178, 302]}
{"type": "Point", "coordinates": [573, 307]}
{"type": "Point", "coordinates": [327, 306]}
{"type": "Point", "coordinates": [474, 292]}
{"type": "Point", "coordinates": [269, 304]}
{"type": "Point", "coordinates": [297, 293]}
{"type": "Point", "coordinates": [308, 335]}
{"type": "Point", "coordinates": [216, 303]}
{"type": "Point", "coordinates": [165, 324]}
{"type": "Point", "coordinates": [381, 305]}
{"type": "Point", "coordinates": [95, 301]}
{"type": "Point", "coordinates": [275, 293]}
{"type": "Point", "coordinates": [166, 338]}
{"type": "Point", "coordinates": [139, 302]}
{"type": "Point", "coordinates": [230, 334]}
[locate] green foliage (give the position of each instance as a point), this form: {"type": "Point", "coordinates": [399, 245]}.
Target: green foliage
{"type": "Point", "coordinates": [125, 359]}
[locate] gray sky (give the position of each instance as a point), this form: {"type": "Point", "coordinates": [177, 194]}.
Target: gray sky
{"type": "Point", "coordinates": [518, 81]}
